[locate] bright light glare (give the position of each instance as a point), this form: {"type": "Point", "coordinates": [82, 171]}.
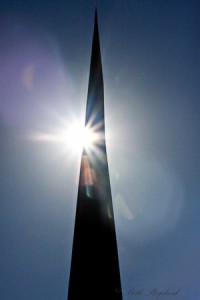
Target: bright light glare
{"type": "Point", "coordinates": [74, 137]}
{"type": "Point", "coordinates": [78, 136]}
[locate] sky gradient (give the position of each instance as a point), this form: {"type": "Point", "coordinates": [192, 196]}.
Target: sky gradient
{"type": "Point", "coordinates": [150, 57]}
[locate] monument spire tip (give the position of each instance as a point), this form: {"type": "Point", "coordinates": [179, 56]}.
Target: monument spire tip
{"type": "Point", "coordinates": [95, 14]}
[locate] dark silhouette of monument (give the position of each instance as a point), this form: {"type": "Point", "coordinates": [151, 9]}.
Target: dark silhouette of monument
{"type": "Point", "coordinates": [94, 271]}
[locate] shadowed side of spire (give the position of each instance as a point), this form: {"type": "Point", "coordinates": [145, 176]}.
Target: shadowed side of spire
{"type": "Point", "coordinates": [94, 266]}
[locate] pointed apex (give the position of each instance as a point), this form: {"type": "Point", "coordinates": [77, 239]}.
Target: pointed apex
{"type": "Point", "coordinates": [96, 43]}
{"type": "Point", "coordinates": [95, 97]}
{"type": "Point", "coordinates": [95, 14]}
{"type": "Point", "coordinates": [96, 19]}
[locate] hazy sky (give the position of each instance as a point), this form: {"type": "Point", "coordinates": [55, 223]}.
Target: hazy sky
{"type": "Point", "coordinates": [151, 66]}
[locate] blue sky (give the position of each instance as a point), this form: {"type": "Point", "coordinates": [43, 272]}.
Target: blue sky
{"type": "Point", "coordinates": [150, 57]}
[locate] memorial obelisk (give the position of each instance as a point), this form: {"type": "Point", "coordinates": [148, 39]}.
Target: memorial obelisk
{"type": "Point", "coordinates": [94, 273]}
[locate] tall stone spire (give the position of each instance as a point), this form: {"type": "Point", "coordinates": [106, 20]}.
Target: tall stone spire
{"type": "Point", "coordinates": [95, 99]}
{"type": "Point", "coordinates": [94, 266]}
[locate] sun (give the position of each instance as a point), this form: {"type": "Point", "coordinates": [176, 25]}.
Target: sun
{"type": "Point", "coordinates": [79, 137]}
{"type": "Point", "coordinates": [72, 137]}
